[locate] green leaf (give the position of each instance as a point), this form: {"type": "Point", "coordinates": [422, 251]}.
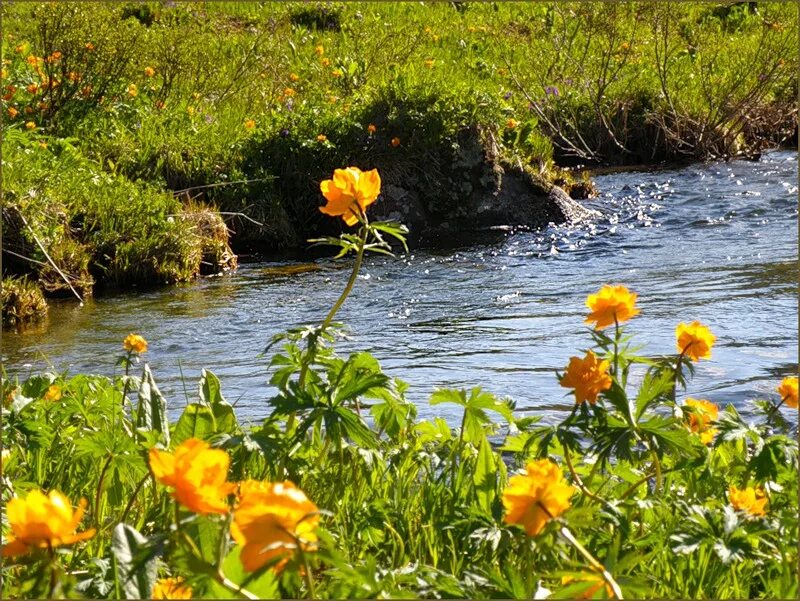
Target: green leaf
{"type": "Point", "coordinates": [196, 421]}
{"type": "Point", "coordinates": [485, 476]}
{"type": "Point", "coordinates": [136, 562]}
{"type": "Point", "coordinates": [152, 411]}
{"type": "Point", "coordinates": [655, 385]}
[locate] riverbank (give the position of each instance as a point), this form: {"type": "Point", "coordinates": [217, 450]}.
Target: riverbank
{"type": "Point", "coordinates": [445, 99]}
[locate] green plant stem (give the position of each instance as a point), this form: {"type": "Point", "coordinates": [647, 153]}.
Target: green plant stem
{"type": "Point", "coordinates": [309, 577]}
{"type": "Point", "coordinates": [641, 481]}
{"type": "Point", "coordinates": [134, 494]}
{"type": "Point", "coordinates": [775, 409]}
{"type": "Point", "coordinates": [616, 347]}
{"type": "Point", "coordinates": [677, 373]}
{"type": "Point", "coordinates": [312, 342]}
{"type": "Point", "coordinates": [100, 483]}
{"type": "Point", "coordinates": [577, 479]}
{"type": "Point", "coordinates": [596, 565]}
{"type": "Point", "coordinates": [53, 584]}
{"type": "Point", "coordinates": [232, 586]}
{"type": "Point", "coordinates": [657, 467]}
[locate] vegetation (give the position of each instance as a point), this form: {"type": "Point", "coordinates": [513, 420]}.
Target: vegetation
{"type": "Point", "coordinates": [118, 115]}
{"type": "Point", "coordinates": [341, 493]}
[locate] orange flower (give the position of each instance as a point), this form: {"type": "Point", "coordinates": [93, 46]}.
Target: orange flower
{"type": "Point", "coordinates": [750, 500]}
{"type": "Point", "coordinates": [31, 88]}
{"type": "Point", "coordinates": [694, 340]}
{"type": "Point", "coordinates": [587, 376]}
{"type": "Point", "coordinates": [271, 520]}
{"type": "Point", "coordinates": [512, 123]}
{"type": "Point", "coordinates": [149, 71]}
{"type": "Point", "coordinates": [319, 50]}
{"type": "Point", "coordinates": [43, 521]}
{"type": "Point", "coordinates": [33, 60]}
{"type": "Point", "coordinates": [171, 588]}
{"type": "Point", "coordinates": [699, 420]}
{"type": "Point", "coordinates": [294, 77]}
{"type": "Point", "coordinates": [134, 343]}
{"type": "Point", "coordinates": [610, 303]}
{"type": "Point", "coordinates": [322, 138]}
{"type": "Point", "coordinates": [534, 498]}
{"type": "Point", "coordinates": [429, 63]}
{"type": "Point", "coordinates": [395, 142]}
{"type": "Point", "coordinates": [371, 128]}
{"type": "Point", "coordinates": [337, 73]}
{"type": "Point", "coordinates": [30, 125]}
{"type": "Point", "coordinates": [53, 393]}
{"type": "Point", "coordinates": [73, 76]}
{"type": "Point", "coordinates": [249, 124]}
{"type": "Point", "coordinates": [20, 49]}
{"type": "Point", "coordinates": [350, 192]}
{"type": "Point", "coordinates": [325, 62]}
{"type": "Point", "coordinates": [788, 391]}
{"type": "Point", "coordinates": [289, 92]}
{"type": "Point", "coordinates": [133, 90]}
{"type": "Point", "coordinates": [12, 112]}
{"type": "Point", "coordinates": [89, 46]}
{"type": "Point", "coordinates": [198, 474]}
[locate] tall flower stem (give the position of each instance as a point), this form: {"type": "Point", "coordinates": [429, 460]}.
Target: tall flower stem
{"type": "Point", "coordinates": [616, 348]}
{"type": "Point", "coordinates": [678, 372]}
{"type": "Point", "coordinates": [312, 344]}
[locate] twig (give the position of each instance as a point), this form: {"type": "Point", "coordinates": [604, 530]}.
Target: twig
{"type": "Point", "coordinates": [42, 248]}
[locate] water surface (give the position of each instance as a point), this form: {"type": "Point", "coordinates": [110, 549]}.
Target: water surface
{"type": "Point", "coordinates": [717, 243]}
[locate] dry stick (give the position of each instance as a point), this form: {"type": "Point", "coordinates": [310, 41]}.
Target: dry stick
{"type": "Point", "coordinates": [596, 565]}
{"type": "Point", "coordinates": [577, 479]}
{"type": "Point", "coordinates": [42, 248]}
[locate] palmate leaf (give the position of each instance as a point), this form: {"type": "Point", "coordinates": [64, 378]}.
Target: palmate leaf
{"type": "Point", "coordinates": [656, 384]}
{"type": "Point", "coordinates": [475, 407]}
{"type": "Point", "coordinates": [484, 477]}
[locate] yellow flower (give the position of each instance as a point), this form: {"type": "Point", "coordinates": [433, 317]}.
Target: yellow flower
{"type": "Point", "coordinates": [43, 521]}
{"type": "Point", "coordinates": [319, 50]}
{"type": "Point", "coordinates": [333, 99]}
{"type": "Point", "coordinates": [501, 71]}
{"type": "Point", "coordinates": [20, 49]}
{"type": "Point", "coordinates": [610, 303]}
{"type": "Point", "coordinates": [42, 144]}
{"type": "Point", "coordinates": [249, 124]}
{"type": "Point", "coordinates": [134, 343]}
{"type": "Point", "coordinates": [171, 588]}
{"type": "Point", "coordinates": [429, 63]}
{"type": "Point", "coordinates": [133, 90]}
{"type": "Point", "coordinates": [371, 128]}
{"type": "Point", "coordinates": [395, 142]}
{"type": "Point", "coordinates": [322, 138]}
{"type": "Point", "coordinates": [700, 419]}
{"type": "Point", "coordinates": [53, 393]}
{"type": "Point", "coordinates": [325, 62]}
{"type": "Point", "coordinates": [337, 73]}
{"type": "Point", "coordinates": [33, 60]}
{"type": "Point", "coordinates": [597, 581]}
{"type": "Point", "coordinates": [89, 46]}
{"type": "Point", "coordinates": [512, 123]}
{"type": "Point", "coordinates": [532, 499]}
{"type": "Point", "coordinates": [73, 76]}
{"type": "Point", "coordinates": [294, 77]}
{"type": "Point", "coordinates": [788, 391]}
{"type": "Point", "coordinates": [12, 112]}
{"type": "Point", "coordinates": [149, 71]}
{"type": "Point", "coordinates": [694, 340]}
{"type": "Point", "coordinates": [30, 125]}
{"type": "Point", "coordinates": [750, 500]}
{"type": "Point", "coordinates": [289, 92]}
{"type": "Point", "coordinates": [198, 474]}
{"type": "Point", "coordinates": [271, 520]}
{"type": "Point", "coordinates": [350, 192]}
{"type": "Point", "coordinates": [587, 376]}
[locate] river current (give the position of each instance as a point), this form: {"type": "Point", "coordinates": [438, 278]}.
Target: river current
{"type": "Point", "coordinates": [716, 243]}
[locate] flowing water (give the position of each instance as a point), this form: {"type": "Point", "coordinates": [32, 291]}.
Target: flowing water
{"type": "Point", "coordinates": [716, 243]}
